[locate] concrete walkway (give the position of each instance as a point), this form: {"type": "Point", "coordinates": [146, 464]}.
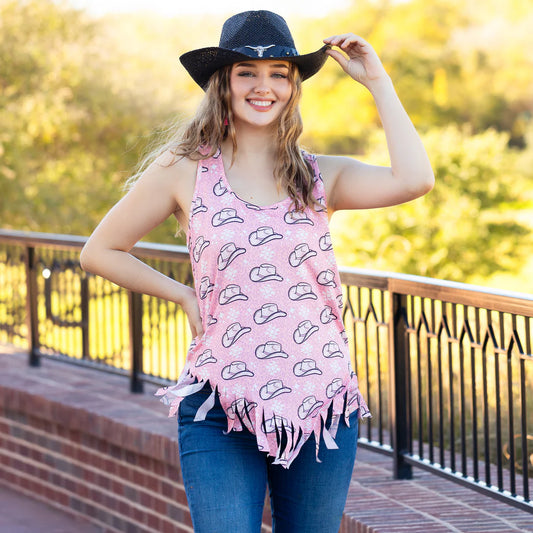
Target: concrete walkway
{"type": "Point", "coordinates": [23, 514]}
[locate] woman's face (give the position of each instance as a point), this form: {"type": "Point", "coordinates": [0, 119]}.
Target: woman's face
{"type": "Point", "coordinates": [260, 90]}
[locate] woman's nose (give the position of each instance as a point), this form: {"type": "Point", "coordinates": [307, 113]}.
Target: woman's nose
{"type": "Point", "coordinates": [262, 86]}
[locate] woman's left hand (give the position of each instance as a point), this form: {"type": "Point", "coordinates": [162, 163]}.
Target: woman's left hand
{"type": "Point", "coordinates": [362, 63]}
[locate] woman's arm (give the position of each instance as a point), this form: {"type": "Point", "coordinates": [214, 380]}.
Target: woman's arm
{"type": "Point", "coordinates": [152, 200]}
{"type": "Point", "coordinates": [351, 184]}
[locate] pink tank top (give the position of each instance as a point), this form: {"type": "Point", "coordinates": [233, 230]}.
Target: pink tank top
{"type": "Point", "coordinates": [274, 346]}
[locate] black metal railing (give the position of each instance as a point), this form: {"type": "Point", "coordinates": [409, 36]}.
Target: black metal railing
{"type": "Point", "coordinates": [446, 368]}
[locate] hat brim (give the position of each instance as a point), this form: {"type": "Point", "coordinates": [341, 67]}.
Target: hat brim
{"type": "Point", "coordinates": [201, 64]}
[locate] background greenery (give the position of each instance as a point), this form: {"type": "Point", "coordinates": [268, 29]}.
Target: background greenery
{"type": "Point", "coordinates": [82, 97]}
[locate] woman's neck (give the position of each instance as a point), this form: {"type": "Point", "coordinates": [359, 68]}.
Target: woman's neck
{"type": "Point", "coordinates": [258, 144]}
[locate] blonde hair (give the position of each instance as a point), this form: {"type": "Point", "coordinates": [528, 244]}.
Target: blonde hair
{"type": "Point", "coordinates": [212, 123]}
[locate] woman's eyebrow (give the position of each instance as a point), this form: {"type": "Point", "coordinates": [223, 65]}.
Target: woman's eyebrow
{"type": "Point", "coordinates": [252, 65]}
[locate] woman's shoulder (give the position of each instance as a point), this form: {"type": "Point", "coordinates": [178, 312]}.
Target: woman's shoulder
{"type": "Point", "coordinates": [171, 163]}
{"type": "Point", "coordinates": [328, 163]}
{"type": "Point", "coordinates": [332, 165]}
{"type": "Point", "coordinates": [169, 169]}
{"type": "Point", "coordinates": [171, 173]}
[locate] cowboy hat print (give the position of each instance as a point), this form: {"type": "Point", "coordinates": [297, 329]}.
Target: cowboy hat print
{"type": "Point", "coordinates": [199, 246]}
{"type": "Point", "coordinates": [237, 369]}
{"type": "Point", "coordinates": [322, 202]}
{"type": "Point", "coordinates": [197, 206]}
{"type": "Point", "coordinates": [263, 235]}
{"type": "Point", "coordinates": [264, 272]}
{"type": "Point", "coordinates": [219, 188]}
{"type": "Point", "coordinates": [306, 367]}
{"type": "Point", "coordinates": [297, 217]}
{"type": "Point", "coordinates": [205, 287]}
{"type": "Point", "coordinates": [334, 388]}
{"type": "Point", "coordinates": [276, 423]}
{"type": "Point", "coordinates": [233, 333]}
{"type": "Point", "coordinates": [309, 406]}
{"type": "Point", "coordinates": [227, 255]}
{"type": "Point", "coordinates": [273, 388]}
{"type": "Point", "coordinates": [230, 294]}
{"type": "Point", "coordinates": [267, 313]}
{"type": "Point", "coordinates": [331, 349]}
{"type": "Point", "coordinates": [325, 242]}
{"type": "Point", "coordinates": [327, 316]}
{"type": "Point", "coordinates": [326, 278]}
{"type": "Point", "coordinates": [205, 358]}
{"type": "Point", "coordinates": [304, 330]}
{"type": "Point", "coordinates": [270, 350]}
{"type": "Point", "coordinates": [240, 407]}
{"type": "Point", "coordinates": [300, 254]}
{"type": "Point", "coordinates": [226, 216]}
{"type": "Point", "coordinates": [302, 291]}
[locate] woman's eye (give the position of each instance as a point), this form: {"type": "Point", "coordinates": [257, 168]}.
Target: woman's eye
{"type": "Point", "coordinates": [279, 75]}
{"type": "Point", "coordinates": [245, 74]}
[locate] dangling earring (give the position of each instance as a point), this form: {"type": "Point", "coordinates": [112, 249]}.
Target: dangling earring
{"type": "Point", "coordinates": [226, 122]}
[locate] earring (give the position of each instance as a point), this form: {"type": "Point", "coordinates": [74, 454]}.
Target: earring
{"type": "Point", "coordinates": [226, 122]}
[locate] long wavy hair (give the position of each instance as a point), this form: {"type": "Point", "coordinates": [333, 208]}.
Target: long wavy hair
{"type": "Point", "coordinates": [201, 137]}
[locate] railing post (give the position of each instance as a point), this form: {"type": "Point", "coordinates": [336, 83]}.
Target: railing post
{"type": "Point", "coordinates": [32, 315]}
{"type": "Point", "coordinates": [136, 341]}
{"type": "Point", "coordinates": [399, 380]}
{"type": "Point", "coordinates": [84, 304]}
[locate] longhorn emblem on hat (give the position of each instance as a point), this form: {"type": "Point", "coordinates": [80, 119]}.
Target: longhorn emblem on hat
{"type": "Point", "coordinates": [260, 49]}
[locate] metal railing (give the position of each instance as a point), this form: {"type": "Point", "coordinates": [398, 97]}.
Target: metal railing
{"type": "Point", "coordinates": [446, 368]}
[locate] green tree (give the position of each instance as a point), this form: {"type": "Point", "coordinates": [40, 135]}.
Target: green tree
{"type": "Point", "coordinates": [466, 228]}
{"type": "Point", "coordinates": [74, 116]}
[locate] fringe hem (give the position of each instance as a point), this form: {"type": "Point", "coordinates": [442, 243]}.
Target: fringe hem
{"type": "Point", "coordinates": [279, 438]}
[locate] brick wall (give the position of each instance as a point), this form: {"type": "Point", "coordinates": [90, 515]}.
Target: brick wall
{"type": "Point", "coordinates": [80, 469]}
{"type": "Point", "coordinates": [78, 440]}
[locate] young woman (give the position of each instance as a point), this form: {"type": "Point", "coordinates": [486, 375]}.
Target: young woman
{"type": "Point", "coordinates": [268, 396]}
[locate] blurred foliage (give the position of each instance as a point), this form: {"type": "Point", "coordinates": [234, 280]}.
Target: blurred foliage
{"type": "Point", "coordinates": [81, 98]}
{"type": "Point", "coordinates": [465, 229]}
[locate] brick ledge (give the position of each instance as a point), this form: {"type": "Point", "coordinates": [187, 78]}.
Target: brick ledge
{"type": "Point", "coordinates": [131, 444]}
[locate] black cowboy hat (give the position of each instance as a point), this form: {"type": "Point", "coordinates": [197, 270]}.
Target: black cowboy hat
{"type": "Point", "coordinates": [255, 35]}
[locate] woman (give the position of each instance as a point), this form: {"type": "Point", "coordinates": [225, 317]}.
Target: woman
{"type": "Point", "coordinates": [269, 362]}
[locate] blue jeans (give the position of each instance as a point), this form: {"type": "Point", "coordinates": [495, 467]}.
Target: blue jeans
{"type": "Point", "coordinates": [226, 476]}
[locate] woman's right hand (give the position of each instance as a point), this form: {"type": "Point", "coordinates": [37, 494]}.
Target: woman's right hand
{"type": "Point", "coordinates": [189, 304]}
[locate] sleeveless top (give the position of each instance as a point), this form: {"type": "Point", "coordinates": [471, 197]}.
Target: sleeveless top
{"type": "Point", "coordinates": [274, 347]}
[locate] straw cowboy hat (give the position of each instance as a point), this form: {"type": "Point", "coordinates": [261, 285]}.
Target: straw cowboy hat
{"type": "Point", "coordinates": [251, 35]}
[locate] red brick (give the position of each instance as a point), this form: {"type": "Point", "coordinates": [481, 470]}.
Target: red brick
{"type": "Point", "coordinates": [167, 526]}
{"type": "Point", "coordinates": [153, 483]}
{"type": "Point", "coordinates": [160, 506]}
{"type": "Point", "coordinates": [138, 478]}
{"type": "Point", "coordinates": [117, 487]}
{"type": "Point", "coordinates": [139, 515]}
{"type": "Point", "coordinates": [154, 522]}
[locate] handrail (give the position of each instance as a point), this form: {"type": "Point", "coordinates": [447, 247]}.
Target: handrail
{"type": "Point", "coordinates": [446, 367]}
{"type": "Point", "coordinates": [449, 291]}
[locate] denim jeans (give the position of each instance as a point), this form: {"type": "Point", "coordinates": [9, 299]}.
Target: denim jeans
{"type": "Point", "coordinates": [226, 477]}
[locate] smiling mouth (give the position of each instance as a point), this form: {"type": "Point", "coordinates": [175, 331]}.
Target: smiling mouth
{"type": "Point", "coordinates": [261, 103]}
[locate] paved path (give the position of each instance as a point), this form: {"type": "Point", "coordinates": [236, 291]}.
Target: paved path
{"type": "Point", "coordinates": [23, 514]}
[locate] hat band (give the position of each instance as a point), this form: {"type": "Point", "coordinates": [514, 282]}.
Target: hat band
{"type": "Point", "coordinates": [270, 50]}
